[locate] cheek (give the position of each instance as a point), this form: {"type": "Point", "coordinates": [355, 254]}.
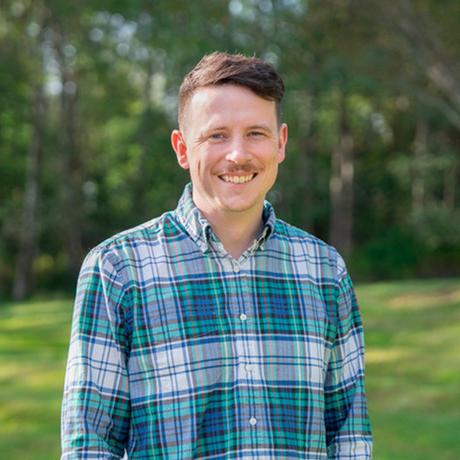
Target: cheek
{"type": "Point", "coordinates": [197, 168]}
{"type": "Point", "coordinates": [206, 162]}
{"type": "Point", "coordinates": [272, 159]}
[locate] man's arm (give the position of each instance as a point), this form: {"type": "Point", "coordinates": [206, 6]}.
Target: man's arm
{"type": "Point", "coordinates": [347, 423]}
{"type": "Point", "coordinates": [96, 405]}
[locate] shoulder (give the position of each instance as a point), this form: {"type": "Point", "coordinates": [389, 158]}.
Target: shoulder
{"type": "Point", "coordinates": [301, 238]}
{"type": "Point", "coordinates": [309, 249]}
{"type": "Point", "coordinates": [136, 243]}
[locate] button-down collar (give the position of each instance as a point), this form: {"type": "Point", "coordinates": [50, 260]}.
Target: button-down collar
{"type": "Point", "coordinates": [199, 228]}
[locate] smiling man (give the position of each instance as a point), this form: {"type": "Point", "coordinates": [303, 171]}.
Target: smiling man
{"type": "Point", "coordinates": [232, 143]}
{"type": "Point", "coordinates": [217, 330]}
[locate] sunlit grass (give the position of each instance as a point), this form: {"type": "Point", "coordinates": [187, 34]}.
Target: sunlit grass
{"type": "Point", "coordinates": [413, 368]}
{"type": "Point", "coordinates": [412, 356]}
{"type": "Point", "coordinates": [33, 348]}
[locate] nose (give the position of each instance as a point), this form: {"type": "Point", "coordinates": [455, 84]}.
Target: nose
{"type": "Point", "coordinates": [238, 152]}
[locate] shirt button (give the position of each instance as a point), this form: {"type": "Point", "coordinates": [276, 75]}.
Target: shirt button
{"type": "Point", "coordinates": [236, 268]}
{"type": "Point", "coordinates": [243, 317]}
{"type": "Point", "coordinates": [252, 421]}
{"type": "Point", "coordinates": [249, 367]}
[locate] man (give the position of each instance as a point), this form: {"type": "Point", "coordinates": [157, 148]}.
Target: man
{"type": "Point", "coordinates": [217, 330]}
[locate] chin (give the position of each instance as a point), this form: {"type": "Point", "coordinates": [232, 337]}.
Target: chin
{"type": "Point", "coordinates": [238, 207]}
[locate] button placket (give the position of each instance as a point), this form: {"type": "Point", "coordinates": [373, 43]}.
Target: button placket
{"type": "Point", "coordinates": [247, 369]}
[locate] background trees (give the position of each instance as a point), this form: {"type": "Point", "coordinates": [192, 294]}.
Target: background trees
{"type": "Point", "coordinates": [88, 98]}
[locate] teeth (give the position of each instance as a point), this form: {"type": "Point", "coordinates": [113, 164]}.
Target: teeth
{"type": "Point", "coordinates": [237, 179]}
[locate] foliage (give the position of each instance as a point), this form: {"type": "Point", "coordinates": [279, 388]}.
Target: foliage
{"type": "Point", "coordinates": [382, 79]}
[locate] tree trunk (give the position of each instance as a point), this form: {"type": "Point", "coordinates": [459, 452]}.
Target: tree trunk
{"type": "Point", "coordinates": [306, 148]}
{"type": "Point", "coordinates": [341, 184]}
{"type": "Point", "coordinates": [71, 161]}
{"type": "Point", "coordinates": [28, 233]}
{"type": "Point", "coordinates": [450, 183]}
{"type": "Point", "coordinates": [145, 141]}
{"type": "Point", "coordinates": [418, 179]}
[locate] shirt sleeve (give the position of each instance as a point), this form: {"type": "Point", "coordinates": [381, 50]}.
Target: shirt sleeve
{"type": "Point", "coordinates": [96, 404]}
{"type": "Point", "coordinates": [348, 432]}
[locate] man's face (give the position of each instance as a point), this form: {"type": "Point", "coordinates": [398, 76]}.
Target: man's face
{"type": "Point", "coordinates": [232, 145]}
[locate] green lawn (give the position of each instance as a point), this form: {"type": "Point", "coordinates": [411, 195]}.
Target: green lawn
{"type": "Point", "coordinates": [413, 371]}
{"type": "Point", "coordinates": [413, 368]}
{"type": "Point", "coordinates": [34, 338]}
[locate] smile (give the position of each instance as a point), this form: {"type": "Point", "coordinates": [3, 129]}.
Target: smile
{"type": "Point", "coordinates": [237, 179]}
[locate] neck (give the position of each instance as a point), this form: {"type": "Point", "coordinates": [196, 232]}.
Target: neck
{"type": "Point", "coordinates": [236, 231]}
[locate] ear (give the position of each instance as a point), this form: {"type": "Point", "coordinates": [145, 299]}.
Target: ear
{"type": "Point", "coordinates": [180, 147]}
{"type": "Point", "coordinates": [282, 140]}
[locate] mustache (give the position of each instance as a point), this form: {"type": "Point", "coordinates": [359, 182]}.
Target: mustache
{"type": "Point", "coordinates": [246, 168]}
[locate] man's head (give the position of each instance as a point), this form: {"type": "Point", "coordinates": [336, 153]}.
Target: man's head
{"type": "Point", "coordinates": [230, 138]}
{"type": "Point", "coordinates": [221, 68]}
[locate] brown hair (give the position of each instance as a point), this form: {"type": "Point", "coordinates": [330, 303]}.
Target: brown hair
{"type": "Point", "coordinates": [221, 68]}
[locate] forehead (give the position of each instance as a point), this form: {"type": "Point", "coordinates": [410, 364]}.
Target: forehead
{"type": "Point", "coordinates": [228, 103]}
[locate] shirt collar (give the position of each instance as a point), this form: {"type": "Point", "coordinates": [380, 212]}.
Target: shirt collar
{"type": "Point", "coordinates": [200, 229]}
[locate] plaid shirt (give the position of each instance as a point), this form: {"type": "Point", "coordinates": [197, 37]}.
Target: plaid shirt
{"type": "Point", "coordinates": [178, 351]}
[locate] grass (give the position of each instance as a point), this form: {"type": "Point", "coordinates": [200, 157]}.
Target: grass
{"type": "Point", "coordinates": [413, 368]}
{"type": "Point", "coordinates": [34, 338]}
{"type": "Point", "coordinates": [412, 356]}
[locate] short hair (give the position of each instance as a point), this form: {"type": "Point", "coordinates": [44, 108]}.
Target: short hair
{"type": "Point", "coordinates": [221, 68]}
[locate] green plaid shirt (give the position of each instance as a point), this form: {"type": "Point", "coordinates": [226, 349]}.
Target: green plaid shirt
{"type": "Point", "coordinates": [178, 351]}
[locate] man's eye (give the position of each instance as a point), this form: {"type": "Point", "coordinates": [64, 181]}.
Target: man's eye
{"type": "Point", "coordinates": [216, 136]}
{"type": "Point", "coordinates": [256, 133]}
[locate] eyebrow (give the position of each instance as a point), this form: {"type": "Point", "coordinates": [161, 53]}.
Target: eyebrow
{"type": "Point", "coordinates": [209, 129]}
{"type": "Point", "coordinates": [213, 128]}
{"type": "Point", "coordinates": [221, 128]}
{"type": "Point", "coordinates": [262, 127]}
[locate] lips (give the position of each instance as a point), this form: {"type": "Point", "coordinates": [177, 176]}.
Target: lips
{"type": "Point", "coordinates": [233, 179]}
